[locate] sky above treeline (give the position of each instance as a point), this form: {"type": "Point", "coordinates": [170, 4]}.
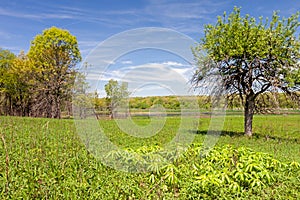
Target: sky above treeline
{"type": "Point", "coordinates": [103, 23]}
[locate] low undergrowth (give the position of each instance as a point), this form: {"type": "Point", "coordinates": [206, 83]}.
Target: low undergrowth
{"type": "Point", "coordinates": [221, 173]}
{"type": "Point", "coordinates": [45, 159]}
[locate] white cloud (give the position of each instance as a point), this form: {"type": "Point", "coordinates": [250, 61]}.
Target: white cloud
{"type": "Point", "coordinates": [126, 62]}
{"type": "Point", "coordinates": [173, 64]}
{"type": "Point", "coordinates": [109, 62]}
{"type": "Point", "coordinates": [184, 71]}
{"type": "Point", "coordinates": [139, 39]}
{"type": "Point", "coordinates": [164, 71]}
{"type": "Point", "coordinates": [166, 76]}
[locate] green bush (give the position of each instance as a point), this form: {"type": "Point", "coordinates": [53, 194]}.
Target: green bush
{"type": "Point", "coordinates": [224, 172]}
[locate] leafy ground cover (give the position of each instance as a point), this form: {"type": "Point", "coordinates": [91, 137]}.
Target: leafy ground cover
{"type": "Point", "coordinates": [45, 159]}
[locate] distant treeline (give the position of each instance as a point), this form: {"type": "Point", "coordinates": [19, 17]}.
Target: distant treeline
{"type": "Point", "coordinates": [267, 102]}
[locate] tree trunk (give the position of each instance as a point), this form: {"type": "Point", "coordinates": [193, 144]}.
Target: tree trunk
{"type": "Point", "coordinates": [58, 110]}
{"type": "Point", "coordinates": [249, 112]}
{"type": "Point", "coordinates": [55, 107]}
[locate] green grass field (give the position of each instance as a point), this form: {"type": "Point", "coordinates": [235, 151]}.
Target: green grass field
{"type": "Point", "coordinates": [45, 159]}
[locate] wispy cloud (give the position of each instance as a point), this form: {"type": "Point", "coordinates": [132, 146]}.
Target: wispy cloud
{"type": "Point", "coordinates": [182, 16]}
{"type": "Point", "coordinates": [37, 16]}
{"type": "Point", "coordinates": [169, 74]}
{"type": "Point", "coordinates": [164, 13]}
{"type": "Point", "coordinates": [6, 35]}
{"type": "Point", "coordinates": [15, 49]}
{"type": "Point", "coordinates": [173, 64]}
{"type": "Point", "coordinates": [63, 13]}
{"type": "Point", "coordinates": [109, 62]}
{"type": "Point", "coordinates": [149, 72]}
{"type": "Point", "coordinates": [184, 10]}
{"type": "Point", "coordinates": [126, 62]}
{"type": "Point", "coordinates": [88, 43]}
{"type": "Point", "coordinates": [138, 39]}
{"type": "Point", "coordinates": [185, 16]}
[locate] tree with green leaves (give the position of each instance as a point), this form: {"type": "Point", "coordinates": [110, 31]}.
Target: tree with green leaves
{"type": "Point", "coordinates": [55, 54]}
{"type": "Point", "coordinates": [250, 57]}
{"type": "Point", "coordinates": [116, 94]}
{"type": "Point", "coordinates": [6, 62]}
{"type": "Point", "coordinates": [21, 84]}
{"type": "Point", "coordinates": [16, 84]}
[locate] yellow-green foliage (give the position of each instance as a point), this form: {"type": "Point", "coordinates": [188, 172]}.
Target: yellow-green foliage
{"type": "Point", "coordinates": [45, 159]}
{"type": "Point", "coordinates": [266, 100]}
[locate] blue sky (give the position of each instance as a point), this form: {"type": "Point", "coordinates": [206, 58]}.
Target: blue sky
{"type": "Point", "coordinates": [93, 22]}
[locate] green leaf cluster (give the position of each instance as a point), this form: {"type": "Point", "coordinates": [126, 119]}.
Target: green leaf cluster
{"type": "Point", "coordinates": [40, 82]}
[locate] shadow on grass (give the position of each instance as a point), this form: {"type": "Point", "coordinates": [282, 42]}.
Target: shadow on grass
{"type": "Point", "coordinates": [223, 133]}
{"type": "Point", "coordinates": [234, 134]}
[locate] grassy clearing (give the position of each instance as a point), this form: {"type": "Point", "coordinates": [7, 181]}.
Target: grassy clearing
{"type": "Point", "coordinates": [44, 158]}
{"type": "Point", "coordinates": [278, 135]}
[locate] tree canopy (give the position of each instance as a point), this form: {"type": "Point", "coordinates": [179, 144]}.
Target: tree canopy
{"type": "Point", "coordinates": [55, 53]}
{"type": "Point", "coordinates": [39, 83]}
{"type": "Point", "coordinates": [116, 94]}
{"type": "Point", "coordinates": [251, 57]}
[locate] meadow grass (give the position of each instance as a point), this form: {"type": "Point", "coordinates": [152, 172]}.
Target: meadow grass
{"type": "Point", "coordinates": [278, 135]}
{"type": "Point", "coordinates": [45, 158]}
